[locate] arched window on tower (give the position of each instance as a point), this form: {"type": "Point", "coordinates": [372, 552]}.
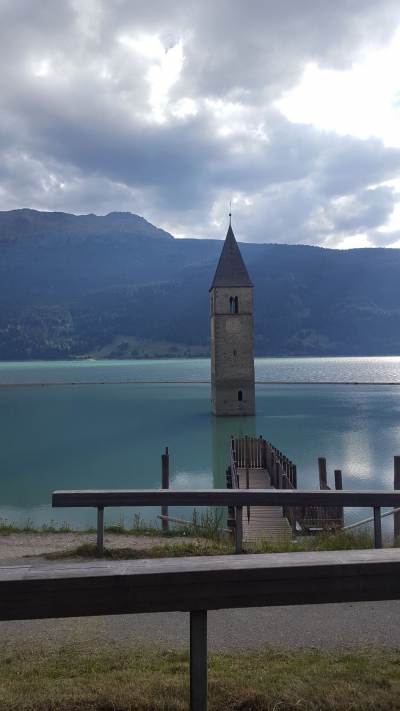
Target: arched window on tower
{"type": "Point", "coordinates": [233, 305]}
{"type": "Point", "coordinates": [240, 395]}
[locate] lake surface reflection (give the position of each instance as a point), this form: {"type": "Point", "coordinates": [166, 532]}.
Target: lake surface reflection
{"type": "Point", "coordinates": [102, 436]}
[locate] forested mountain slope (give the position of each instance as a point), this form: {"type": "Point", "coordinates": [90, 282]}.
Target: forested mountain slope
{"type": "Point", "coordinates": [118, 286]}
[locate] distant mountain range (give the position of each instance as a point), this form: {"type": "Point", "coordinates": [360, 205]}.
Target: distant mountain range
{"type": "Point", "coordinates": [116, 286]}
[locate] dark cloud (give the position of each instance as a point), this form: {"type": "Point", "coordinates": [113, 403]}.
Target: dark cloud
{"type": "Point", "coordinates": [77, 132]}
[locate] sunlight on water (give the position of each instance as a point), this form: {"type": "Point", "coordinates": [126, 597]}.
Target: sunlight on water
{"type": "Point", "coordinates": [344, 370]}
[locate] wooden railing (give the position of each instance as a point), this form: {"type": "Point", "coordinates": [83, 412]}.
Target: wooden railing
{"type": "Point", "coordinates": [290, 498]}
{"type": "Point", "coordinates": [249, 452]}
{"type": "Point", "coordinates": [282, 470]}
{"type": "Point", "coordinates": [256, 452]}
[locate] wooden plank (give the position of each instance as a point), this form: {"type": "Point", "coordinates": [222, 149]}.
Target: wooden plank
{"type": "Point", "coordinates": [34, 591]}
{"type": "Point", "coordinates": [224, 497]}
{"type": "Point", "coordinates": [265, 523]}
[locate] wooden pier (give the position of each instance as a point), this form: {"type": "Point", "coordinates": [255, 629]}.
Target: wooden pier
{"type": "Point", "coordinates": [256, 464]}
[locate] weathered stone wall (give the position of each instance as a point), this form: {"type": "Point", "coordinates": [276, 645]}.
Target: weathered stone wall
{"type": "Point", "coordinates": [232, 360]}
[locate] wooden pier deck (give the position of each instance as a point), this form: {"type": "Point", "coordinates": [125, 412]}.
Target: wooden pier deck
{"type": "Point", "coordinates": [266, 522]}
{"type": "Point", "coordinates": [257, 464]}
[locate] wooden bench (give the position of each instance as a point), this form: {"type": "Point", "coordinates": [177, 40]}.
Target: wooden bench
{"type": "Point", "coordinates": [238, 498]}
{"type": "Point", "coordinates": [195, 585]}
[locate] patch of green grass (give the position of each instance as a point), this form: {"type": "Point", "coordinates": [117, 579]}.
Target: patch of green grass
{"type": "Point", "coordinates": [206, 524]}
{"type": "Point", "coordinates": [341, 541]}
{"type": "Point", "coordinates": [8, 527]}
{"type": "Point", "coordinates": [140, 679]}
{"type": "Point", "coordinates": [173, 550]}
{"type": "Point", "coordinates": [139, 527]}
{"type": "Point", "coordinates": [323, 542]}
{"type": "Point", "coordinates": [209, 523]}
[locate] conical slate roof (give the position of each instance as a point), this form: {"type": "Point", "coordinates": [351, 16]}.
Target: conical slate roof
{"type": "Point", "coordinates": [231, 269]}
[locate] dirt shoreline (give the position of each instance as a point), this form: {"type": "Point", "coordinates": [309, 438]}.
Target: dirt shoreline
{"type": "Point", "coordinates": [15, 546]}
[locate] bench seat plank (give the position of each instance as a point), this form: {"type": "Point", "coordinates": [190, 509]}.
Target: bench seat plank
{"type": "Point", "coordinates": [35, 591]}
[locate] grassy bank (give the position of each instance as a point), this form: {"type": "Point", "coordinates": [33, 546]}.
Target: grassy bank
{"type": "Point", "coordinates": [219, 546]}
{"type": "Point", "coordinates": [206, 524]}
{"type": "Point", "coordinates": [202, 536]}
{"type": "Point", "coordinates": [140, 680]}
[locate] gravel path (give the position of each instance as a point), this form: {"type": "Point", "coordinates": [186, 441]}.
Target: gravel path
{"type": "Point", "coordinates": [19, 545]}
{"type": "Point", "coordinates": [323, 626]}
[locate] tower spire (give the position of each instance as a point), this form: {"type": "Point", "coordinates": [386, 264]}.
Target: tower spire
{"type": "Point", "coordinates": [230, 213]}
{"type": "Point", "coordinates": [231, 269]}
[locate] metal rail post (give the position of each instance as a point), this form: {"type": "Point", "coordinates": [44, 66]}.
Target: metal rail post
{"type": "Point", "coordinates": [198, 660]}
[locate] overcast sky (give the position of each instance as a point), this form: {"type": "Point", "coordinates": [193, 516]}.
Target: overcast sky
{"type": "Point", "coordinates": [290, 108]}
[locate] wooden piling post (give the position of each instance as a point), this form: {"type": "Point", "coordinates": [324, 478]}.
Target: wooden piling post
{"type": "Point", "coordinates": [323, 479]}
{"type": "Point", "coordinates": [100, 530]}
{"type": "Point", "coordinates": [294, 476]}
{"type": "Point", "coordinates": [280, 475]}
{"type": "Point", "coordinates": [268, 458]}
{"type": "Point", "coordinates": [377, 527]}
{"type": "Point", "coordinates": [338, 480]}
{"type": "Point", "coordinates": [272, 470]}
{"type": "Point", "coordinates": [263, 453]}
{"type": "Point", "coordinates": [198, 660]}
{"type": "Point", "coordinates": [164, 485]}
{"type": "Point", "coordinates": [276, 474]}
{"type": "Point", "coordinates": [248, 464]}
{"type": "Point", "coordinates": [339, 487]}
{"type": "Point", "coordinates": [396, 485]}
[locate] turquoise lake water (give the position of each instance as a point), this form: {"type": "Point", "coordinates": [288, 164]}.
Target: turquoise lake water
{"type": "Point", "coordinates": [94, 435]}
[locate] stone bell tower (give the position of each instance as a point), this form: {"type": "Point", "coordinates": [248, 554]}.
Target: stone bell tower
{"type": "Point", "coordinates": [231, 316]}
